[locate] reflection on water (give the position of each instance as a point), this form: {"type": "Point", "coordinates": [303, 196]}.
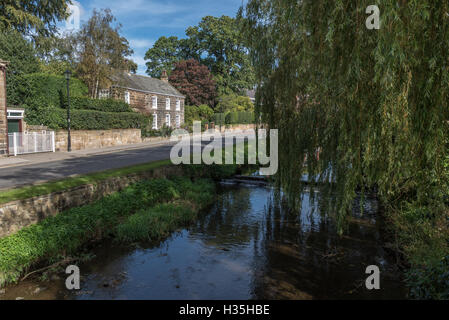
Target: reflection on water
{"type": "Point", "coordinates": [247, 247]}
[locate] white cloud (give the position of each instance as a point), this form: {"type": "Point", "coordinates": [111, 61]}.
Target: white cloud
{"type": "Point", "coordinates": [141, 43]}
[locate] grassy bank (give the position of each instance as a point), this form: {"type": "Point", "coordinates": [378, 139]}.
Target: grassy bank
{"type": "Point", "coordinates": [145, 210]}
{"type": "Point", "coordinates": [68, 183]}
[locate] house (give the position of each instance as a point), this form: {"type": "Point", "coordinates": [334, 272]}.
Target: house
{"type": "Point", "coordinates": [149, 96]}
{"type": "Point", "coordinates": [251, 94]}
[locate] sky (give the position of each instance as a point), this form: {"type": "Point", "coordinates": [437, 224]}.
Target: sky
{"type": "Point", "coordinates": [144, 21]}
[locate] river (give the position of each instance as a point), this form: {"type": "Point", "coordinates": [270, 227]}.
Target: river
{"type": "Point", "coordinates": [247, 246]}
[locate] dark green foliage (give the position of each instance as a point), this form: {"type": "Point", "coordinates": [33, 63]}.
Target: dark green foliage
{"type": "Point", "coordinates": [239, 118]}
{"type": "Point", "coordinates": [430, 282]}
{"type": "Point", "coordinates": [56, 118]}
{"type": "Point", "coordinates": [39, 89]}
{"type": "Point", "coordinates": [21, 56]}
{"type": "Point", "coordinates": [104, 105]}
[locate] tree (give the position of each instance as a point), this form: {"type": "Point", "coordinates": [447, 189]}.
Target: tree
{"type": "Point", "coordinates": [194, 81]}
{"type": "Point", "coordinates": [102, 51]}
{"type": "Point", "coordinates": [216, 43]}
{"type": "Point", "coordinates": [22, 57]}
{"type": "Point", "coordinates": [234, 103]}
{"type": "Point", "coordinates": [221, 48]}
{"type": "Point", "coordinates": [374, 102]}
{"type": "Point", "coordinates": [162, 56]}
{"type": "Point", "coordinates": [40, 15]}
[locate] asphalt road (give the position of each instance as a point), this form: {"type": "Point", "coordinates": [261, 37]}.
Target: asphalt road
{"type": "Point", "coordinates": [11, 177]}
{"type": "Point", "coordinates": [30, 174]}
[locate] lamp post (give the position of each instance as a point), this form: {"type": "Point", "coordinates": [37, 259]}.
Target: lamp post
{"type": "Point", "coordinates": [68, 74]}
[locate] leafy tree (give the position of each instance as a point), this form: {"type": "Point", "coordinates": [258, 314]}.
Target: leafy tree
{"type": "Point", "coordinates": [102, 51]}
{"type": "Point", "coordinates": [21, 55]}
{"type": "Point", "coordinates": [40, 15]}
{"type": "Point", "coordinates": [216, 43]}
{"type": "Point", "coordinates": [234, 103]}
{"type": "Point", "coordinates": [374, 102]}
{"type": "Point", "coordinates": [163, 56]}
{"type": "Point", "coordinates": [220, 46]}
{"type": "Point", "coordinates": [194, 81]}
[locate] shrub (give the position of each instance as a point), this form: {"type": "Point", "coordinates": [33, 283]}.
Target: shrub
{"type": "Point", "coordinates": [104, 105]}
{"type": "Point", "coordinates": [47, 90]}
{"type": "Point", "coordinates": [239, 118]}
{"type": "Point", "coordinates": [56, 118]}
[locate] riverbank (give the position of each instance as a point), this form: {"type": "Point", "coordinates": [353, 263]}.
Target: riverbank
{"type": "Point", "coordinates": [118, 215]}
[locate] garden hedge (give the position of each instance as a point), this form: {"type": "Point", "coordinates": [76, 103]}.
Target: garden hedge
{"type": "Point", "coordinates": [105, 105]}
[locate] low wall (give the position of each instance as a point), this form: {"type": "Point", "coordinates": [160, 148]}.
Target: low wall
{"type": "Point", "coordinates": [21, 213]}
{"type": "Point", "coordinates": [92, 139]}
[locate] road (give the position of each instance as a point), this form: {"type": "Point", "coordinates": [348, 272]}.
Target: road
{"type": "Point", "coordinates": [55, 170]}
{"type": "Point", "coordinates": [11, 177]}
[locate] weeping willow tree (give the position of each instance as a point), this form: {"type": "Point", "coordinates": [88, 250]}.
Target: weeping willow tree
{"type": "Point", "coordinates": [374, 103]}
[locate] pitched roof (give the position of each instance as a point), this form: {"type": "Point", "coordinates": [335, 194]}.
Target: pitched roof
{"type": "Point", "coordinates": [145, 84]}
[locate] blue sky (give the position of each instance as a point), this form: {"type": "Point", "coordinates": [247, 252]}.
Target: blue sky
{"type": "Point", "coordinates": [144, 21]}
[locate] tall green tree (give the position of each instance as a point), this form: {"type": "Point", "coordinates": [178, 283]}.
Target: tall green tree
{"type": "Point", "coordinates": [102, 51]}
{"type": "Point", "coordinates": [163, 56]}
{"type": "Point", "coordinates": [215, 42]}
{"type": "Point", "coordinates": [221, 48]}
{"type": "Point", "coordinates": [374, 102]}
{"type": "Point", "coordinates": [22, 57]}
{"type": "Point", "coordinates": [38, 15]}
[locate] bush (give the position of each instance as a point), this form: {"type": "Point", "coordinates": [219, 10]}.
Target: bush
{"type": "Point", "coordinates": [56, 118]}
{"type": "Point", "coordinates": [104, 105]}
{"type": "Point", "coordinates": [201, 113]}
{"type": "Point", "coordinates": [47, 90]}
{"type": "Point", "coordinates": [240, 118]}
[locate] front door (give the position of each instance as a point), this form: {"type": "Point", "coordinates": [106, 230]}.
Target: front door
{"type": "Point", "coordinates": [14, 125]}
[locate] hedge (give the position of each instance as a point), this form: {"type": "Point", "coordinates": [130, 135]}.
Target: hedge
{"type": "Point", "coordinates": [105, 105]}
{"type": "Point", "coordinates": [56, 118]}
{"type": "Point", "coordinates": [243, 117]}
{"type": "Point", "coordinates": [47, 90]}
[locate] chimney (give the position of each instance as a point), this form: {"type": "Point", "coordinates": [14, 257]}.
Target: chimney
{"type": "Point", "coordinates": [164, 76]}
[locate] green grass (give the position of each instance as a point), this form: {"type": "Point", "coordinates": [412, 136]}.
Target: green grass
{"type": "Point", "coordinates": [63, 235]}
{"type": "Point", "coordinates": [72, 182]}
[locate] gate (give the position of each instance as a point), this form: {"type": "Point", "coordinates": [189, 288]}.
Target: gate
{"type": "Point", "coordinates": [31, 142]}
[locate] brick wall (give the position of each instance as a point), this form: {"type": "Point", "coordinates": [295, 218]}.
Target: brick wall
{"type": "Point", "coordinates": [143, 102]}
{"type": "Point", "coordinates": [93, 139]}
{"type": "Point", "coordinates": [3, 120]}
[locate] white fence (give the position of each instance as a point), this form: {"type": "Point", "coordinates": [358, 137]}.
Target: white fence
{"type": "Point", "coordinates": [31, 142]}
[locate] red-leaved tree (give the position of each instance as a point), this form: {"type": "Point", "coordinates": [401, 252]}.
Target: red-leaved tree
{"type": "Point", "coordinates": [195, 81]}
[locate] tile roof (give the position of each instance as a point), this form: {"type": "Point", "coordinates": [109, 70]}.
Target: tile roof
{"type": "Point", "coordinates": [145, 84]}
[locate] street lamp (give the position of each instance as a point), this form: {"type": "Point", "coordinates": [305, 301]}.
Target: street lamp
{"type": "Point", "coordinates": [68, 74]}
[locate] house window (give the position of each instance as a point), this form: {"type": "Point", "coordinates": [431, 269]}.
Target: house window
{"type": "Point", "coordinates": [178, 105]}
{"type": "Point", "coordinates": [154, 102]}
{"type": "Point", "coordinates": [167, 120]}
{"type": "Point", "coordinates": [104, 94]}
{"type": "Point", "coordinates": [178, 121]}
{"type": "Point", "coordinates": [154, 121]}
{"type": "Point", "coordinates": [167, 103]}
{"type": "Point", "coordinates": [127, 97]}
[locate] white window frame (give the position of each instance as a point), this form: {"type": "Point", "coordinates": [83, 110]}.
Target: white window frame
{"type": "Point", "coordinates": [11, 111]}
{"type": "Point", "coordinates": [154, 121]}
{"type": "Point", "coordinates": [167, 103]}
{"type": "Point", "coordinates": [178, 105]}
{"type": "Point", "coordinates": [154, 102]}
{"type": "Point", "coordinates": [178, 121]}
{"type": "Point", "coordinates": [127, 97]}
{"type": "Point", "coordinates": [168, 117]}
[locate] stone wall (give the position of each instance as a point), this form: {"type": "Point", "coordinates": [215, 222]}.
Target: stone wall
{"type": "Point", "coordinates": [3, 120]}
{"type": "Point", "coordinates": [92, 139]}
{"type": "Point", "coordinates": [19, 214]}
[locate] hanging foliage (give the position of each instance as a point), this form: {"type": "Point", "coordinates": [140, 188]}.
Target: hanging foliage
{"type": "Point", "coordinates": [373, 102]}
